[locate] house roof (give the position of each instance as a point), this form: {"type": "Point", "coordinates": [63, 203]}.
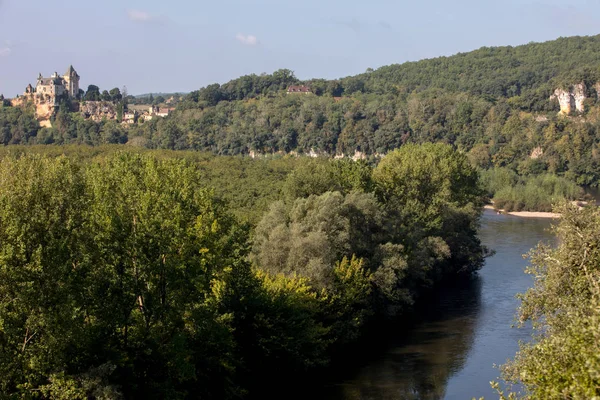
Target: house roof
{"type": "Point", "coordinates": [50, 81]}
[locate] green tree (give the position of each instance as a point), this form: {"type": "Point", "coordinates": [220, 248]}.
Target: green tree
{"type": "Point", "coordinates": [115, 95]}
{"type": "Point", "coordinates": [317, 232]}
{"type": "Point", "coordinates": [564, 305]}
{"type": "Point", "coordinates": [93, 93]}
{"type": "Point", "coordinates": [431, 191]}
{"type": "Point", "coordinates": [111, 269]}
{"type": "Point", "coordinates": [105, 95]}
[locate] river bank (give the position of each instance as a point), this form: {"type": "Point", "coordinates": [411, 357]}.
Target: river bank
{"type": "Point", "coordinates": [525, 214]}
{"type": "Point", "coordinates": [449, 351]}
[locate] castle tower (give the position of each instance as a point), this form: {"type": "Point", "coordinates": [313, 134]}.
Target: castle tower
{"type": "Point", "coordinates": [71, 82]}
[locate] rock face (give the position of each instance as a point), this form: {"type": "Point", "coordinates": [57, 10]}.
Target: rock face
{"type": "Point", "coordinates": [44, 107]}
{"type": "Point", "coordinates": [98, 110]}
{"type": "Point", "coordinates": [536, 153]}
{"type": "Point", "coordinates": [573, 98]}
{"type": "Point", "coordinates": [359, 155]}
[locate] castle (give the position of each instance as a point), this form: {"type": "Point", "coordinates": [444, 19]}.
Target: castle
{"type": "Point", "coordinates": [51, 89]}
{"type": "Point", "coordinates": [47, 94]}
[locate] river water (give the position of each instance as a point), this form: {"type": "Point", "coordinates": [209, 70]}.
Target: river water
{"type": "Point", "coordinates": [452, 350]}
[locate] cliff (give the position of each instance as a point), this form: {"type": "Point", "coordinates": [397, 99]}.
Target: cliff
{"type": "Point", "coordinates": [44, 110]}
{"type": "Point", "coordinates": [573, 98]}
{"type": "Point", "coordinates": [98, 110]}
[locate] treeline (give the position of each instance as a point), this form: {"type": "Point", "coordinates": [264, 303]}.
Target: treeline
{"type": "Point", "coordinates": [493, 135]}
{"type": "Point", "coordinates": [156, 98]}
{"type": "Point", "coordinates": [93, 93]}
{"type": "Point", "coordinates": [528, 74]}
{"type": "Point", "coordinates": [245, 88]}
{"type": "Point", "coordinates": [511, 192]}
{"type": "Point", "coordinates": [124, 274]}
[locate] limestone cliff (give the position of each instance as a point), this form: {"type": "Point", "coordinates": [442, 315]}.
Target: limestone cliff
{"type": "Point", "coordinates": [573, 98]}
{"type": "Point", "coordinates": [43, 108]}
{"type": "Point", "coordinates": [98, 110]}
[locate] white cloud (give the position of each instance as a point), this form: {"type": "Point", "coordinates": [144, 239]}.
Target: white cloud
{"type": "Point", "coordinates": [5, 51]}
{"type": "Point", "coordinates": [139, 16]}
{"type": "Point", "coordinates": [249, 40]}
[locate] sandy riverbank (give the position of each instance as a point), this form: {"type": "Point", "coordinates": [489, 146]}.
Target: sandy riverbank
{"type": "Point", "coordinates": [526, 214]}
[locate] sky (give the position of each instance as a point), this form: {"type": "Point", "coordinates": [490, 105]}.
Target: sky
{"type": "Point", "coordinates": [183, 45]}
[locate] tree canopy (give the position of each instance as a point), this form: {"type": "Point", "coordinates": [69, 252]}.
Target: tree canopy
{"type": "Point", "coordinates": [142, 275]}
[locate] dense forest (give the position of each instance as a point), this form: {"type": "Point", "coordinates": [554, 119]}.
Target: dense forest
{"type": "Point", "coordinates": [493, 104]}
{"type": "Point", "coordinates": [142, 274]}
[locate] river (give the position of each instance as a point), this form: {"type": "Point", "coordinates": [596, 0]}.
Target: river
{"type": "Point", "coordinates": [452, 350]}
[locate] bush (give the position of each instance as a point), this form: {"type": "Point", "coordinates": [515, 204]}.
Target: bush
{"type": "Point", "coordinates": [537, 193]}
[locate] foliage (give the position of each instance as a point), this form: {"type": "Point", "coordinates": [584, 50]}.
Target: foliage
{"type": "Point", "coordinates": [123, 275]}
{"type": "Point", "coordinates": [17, 125]}
{"type": "Point", "coordinates": [564, 304]}
{"type": "Point", "coordinates": [432, 197]}
{"type": "Point", "coordinates": [315, 233]}
{"type": "Point", "coordinates": [492, 103]}
{"type": "Point", "coordinates": [417, 228]}
{"type": "Point", "coordinates": [533, 193]}
{"type": "Point", "coordinates": [111, 264]}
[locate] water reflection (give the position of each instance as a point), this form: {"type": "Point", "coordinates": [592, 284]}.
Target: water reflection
{"type": "Point", "coordinates": [451, 351]}
{"type": "Point", "coordinates": [417, 365]}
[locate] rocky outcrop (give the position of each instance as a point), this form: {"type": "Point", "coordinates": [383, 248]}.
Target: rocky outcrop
{"type": "Point", "coordinates": [359, 155]}
{"type": "Point", "coordinates": [43, 113]}
{"type": "Point", "coordinates": [98, 110]}
{"type": "Point", "coordinates": [536, 153]}
{"type": "Point", "coordinates": [571, 99]}
{"type": "Point", "coordinates": [44, 107]}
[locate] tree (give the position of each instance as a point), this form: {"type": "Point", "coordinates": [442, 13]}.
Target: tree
{"type": "Point", "coordinates": [211, 94]}
{"type": "Point", "coordinates": [431, 191]}
{"type": "Point", "coordinates": [426, 178]}
{"type": "Point", "coordinates": [108, 280]}
{"type": "Point", "coordinates": [115, 95]}
{"type": "Point", "coordinates": [125, 97]}
{"type": "Point", "coordinates": [317, 232]}
{"type": "Point", "coordinates": [93, 93]}
{"type": "Point", "coordinates": [105, 95]}
{"type": "Point", "coordinates": [564, 305]}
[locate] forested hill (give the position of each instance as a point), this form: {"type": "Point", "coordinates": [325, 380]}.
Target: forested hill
{"type": "Point", "coordinates": [535, 70]}
{"type": "Point", "coordinates": [492, 103]}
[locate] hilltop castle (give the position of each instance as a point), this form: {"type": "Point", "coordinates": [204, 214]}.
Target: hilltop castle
{"type": "Point", "coordinates": [46, 94]}
{"type": "Point", "coordinates": [50, 89]}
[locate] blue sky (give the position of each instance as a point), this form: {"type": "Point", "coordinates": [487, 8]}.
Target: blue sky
{"type": "Point", "coordinates": [182, 45]}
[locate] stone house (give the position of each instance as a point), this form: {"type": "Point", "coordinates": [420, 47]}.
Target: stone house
{"type": "Point", "coordinates": [298, 90]}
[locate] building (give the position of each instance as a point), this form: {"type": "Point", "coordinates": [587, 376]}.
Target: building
{"type": "Point", "coordinates": [130, 117]}
{"type": "Point", "coordinates": [298, 90]}
{"type": "Point", "coordinates": [50, 89]}
{"type": "Point", "coordinates": [160, 111]}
